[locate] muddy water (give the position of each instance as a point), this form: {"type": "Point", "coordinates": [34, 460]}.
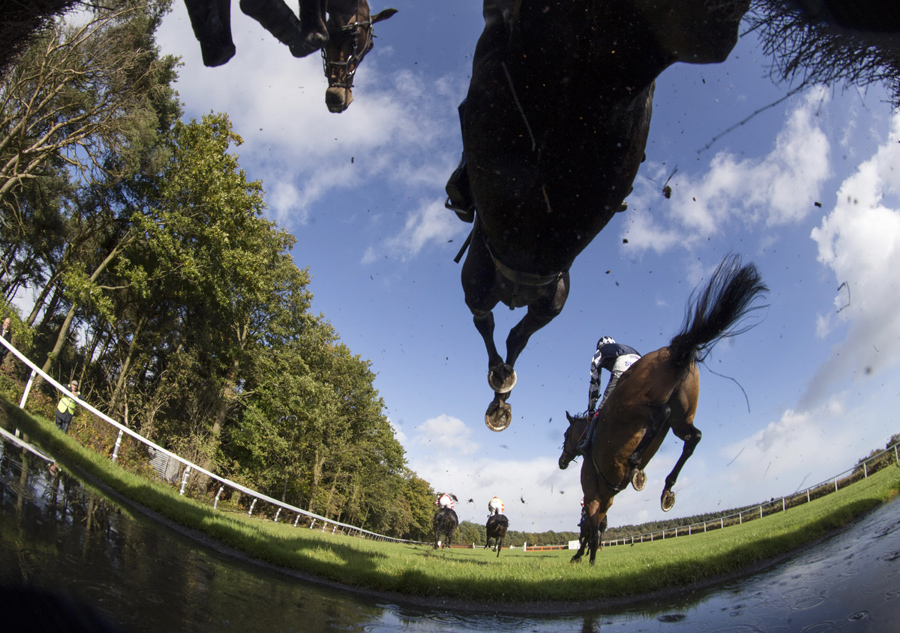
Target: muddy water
{"type": "Point", "coordinates": [76, 555]}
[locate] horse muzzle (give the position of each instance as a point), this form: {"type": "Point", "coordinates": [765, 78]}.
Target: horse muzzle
{"type": "Point", "coordinates": [564, 461]}
{"type": "Point", "coordinates": [338, 99]}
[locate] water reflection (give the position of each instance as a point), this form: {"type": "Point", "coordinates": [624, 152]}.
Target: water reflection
{"type": "Point", "coordinates": [56, 534]}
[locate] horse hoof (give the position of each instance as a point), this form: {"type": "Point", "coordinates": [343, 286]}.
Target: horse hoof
{"type": "Point", "coordinates": [667, 502]}
{"type": "Point", "coordinates": [638, 479]}
{"type": "Point", "coordinates": [498, 416]}
{"type": "Point", "coordinates": [502, 378]}
{"type": "Point", "coordinates": [575, 559]}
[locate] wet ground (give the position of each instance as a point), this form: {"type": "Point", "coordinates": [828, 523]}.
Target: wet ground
{"type": "Point", "coordinates": [72, 559]}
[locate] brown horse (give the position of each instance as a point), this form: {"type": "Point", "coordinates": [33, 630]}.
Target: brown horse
{"type": "Point", "coordinates": [554, 128]}
{"type": "Point", "coordinates": [342, 29]}
{"type": "Point", "coordinates": [659, 392]}
{"type": "Point", "coordinates": [495, 529]}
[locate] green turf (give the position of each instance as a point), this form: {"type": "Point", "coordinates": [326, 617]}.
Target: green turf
{"type": "Point", "coordinates": [478, 574]}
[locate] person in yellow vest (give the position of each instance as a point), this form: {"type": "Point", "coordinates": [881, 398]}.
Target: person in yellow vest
{"type": "Point", "coordinates": [66, 408]}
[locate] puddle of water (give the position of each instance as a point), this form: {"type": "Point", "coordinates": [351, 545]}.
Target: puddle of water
{"type": "Point", "coordinates": [101, 562]}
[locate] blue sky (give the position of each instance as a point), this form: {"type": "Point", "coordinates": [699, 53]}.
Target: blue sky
{"type": "Point", "coordinates": [807, 190]}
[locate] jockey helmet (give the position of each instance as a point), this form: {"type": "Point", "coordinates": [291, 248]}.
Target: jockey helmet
{"type": "Point", "coordinates": [606, 340]}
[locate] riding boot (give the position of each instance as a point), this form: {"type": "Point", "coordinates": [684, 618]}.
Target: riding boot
{"type": "Point", "coordinates": [584, 446]}
{"type": "Point", "coordinates": [459, 195]}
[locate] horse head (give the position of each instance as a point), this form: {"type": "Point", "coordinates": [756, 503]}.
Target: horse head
{"type": "Point", "coordinates": [577, 426]}
{"type": "Point", "coordinates": [350, 37]}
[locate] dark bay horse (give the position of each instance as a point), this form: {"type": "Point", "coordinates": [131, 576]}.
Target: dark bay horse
{"type": "Point", "coordinates": [342, 29]}
{"type": "Point", "coordinates": [659, 392]}
{"type": "Point", "coordinates": [554, 128]}
{"type": "Point", "coordinates": [496, 527]}
{"type": "Point", "coordinates": [445, 523]}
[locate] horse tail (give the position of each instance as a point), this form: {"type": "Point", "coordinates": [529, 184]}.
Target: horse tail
{"type": "Point", "coordinates": [714, 313]}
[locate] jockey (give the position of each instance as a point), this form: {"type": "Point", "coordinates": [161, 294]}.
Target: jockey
{"type": "Point", "coordinates": [495, 506]}
{"type": "Point", "coordinates": [445, 500]}
{"type": "Point", "coordinates": [615, 358]}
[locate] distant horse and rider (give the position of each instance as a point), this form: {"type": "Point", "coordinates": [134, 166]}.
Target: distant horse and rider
{"type": "Point", "coordinates": [554, 128]}
{"type": "Point", "coordinates": [445, 520]}
{"type": "Point", "coordinates": [342, 29]}
{"type": "Point", "coordinates": [497, 525]}
{"type": "Point", "coordinates": [658, 392]}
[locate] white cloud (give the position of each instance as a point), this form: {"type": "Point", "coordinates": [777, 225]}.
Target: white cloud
{"type": "Point", "coordinates": [774, 190]}
{"type": "Point", "coordinates": [444, 433]}
{"type": "Point", "coordinates": [859, 240]}
{"type": "Point", "coordinates": [430, 223]}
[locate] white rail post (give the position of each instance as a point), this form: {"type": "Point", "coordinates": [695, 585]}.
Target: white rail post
{"type": "Point", "coordinates": [783, 506]}
{"type": "Point", "coordinates": [276, 515]}
{"type": "Point", "coordinates": [865, 471]}
{"type": "Point", "coordinates": [218, 494]}
{"type": "Point", "coordinates": [115, 454]}
{"type": "Point", "coordinates": [252, 505]}
{"type": "Point", "coordinates": [184, 479]}
{"type": "Point", "coordinates": [297, 520]}
{"type": "Point", "coordinates": [760, 512]}
{"type": "Point", "coordinates": [835, 484]}
{"type": "Point", "coordinates": [27, 389]}
{"type": "Point", "coordinates": [312, 524]}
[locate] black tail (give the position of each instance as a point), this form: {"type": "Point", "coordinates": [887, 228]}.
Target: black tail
{"type": "Point", "coordinates": [713, 313]}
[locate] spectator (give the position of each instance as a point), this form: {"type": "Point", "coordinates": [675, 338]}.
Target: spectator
{"type": "Point", "coordinates": [66, 408]}
{"type": "Point", "coordinates": [6, 333]}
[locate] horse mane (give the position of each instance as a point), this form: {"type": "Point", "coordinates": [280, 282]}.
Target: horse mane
{"type": "Point", "coordinates": [717, 311]}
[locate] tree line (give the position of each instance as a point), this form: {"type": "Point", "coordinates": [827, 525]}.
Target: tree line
{"type": "Point", "coordinates": [159, 284]}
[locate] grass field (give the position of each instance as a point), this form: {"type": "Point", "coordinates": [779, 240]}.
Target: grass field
{"type": "Point", "coordinates": [477, 574]}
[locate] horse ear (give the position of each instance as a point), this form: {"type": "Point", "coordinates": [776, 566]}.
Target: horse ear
{"type": "Point", "coordinates": [383, 15]}
{"type": "Point", "coordinates": [570, 418]}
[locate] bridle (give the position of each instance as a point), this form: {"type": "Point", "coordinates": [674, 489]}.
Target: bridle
{"type": "Point", "coordinates": [352, 61]}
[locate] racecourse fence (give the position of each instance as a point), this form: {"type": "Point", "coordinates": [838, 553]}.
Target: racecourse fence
{"type": "Point", "coordinates": [882, 459]}
{"type": "Point", "coordinates": [172, 467]}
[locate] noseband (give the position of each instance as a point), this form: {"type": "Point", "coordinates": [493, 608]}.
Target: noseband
{"type": "Point", "coordinates": [352, 62]}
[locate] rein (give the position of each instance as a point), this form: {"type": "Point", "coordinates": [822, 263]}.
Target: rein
{"type": "Point", "coordinates": [615, 488]}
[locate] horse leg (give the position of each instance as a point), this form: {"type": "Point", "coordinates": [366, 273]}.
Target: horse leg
{"type": "Point", "coordinates": [211, 21]}
{"type": "Point", "coordinates": [540, 312]}
{"type": "Point", "coordinates": [598, 526]}
{"type": "Point", "coordinates": [658, 417]}
{"type": "Point", "coordinates": [313, 31]}
{"type": "Point", "coordinates": [275, 17]}
{"type": "Point", "coordinates": [691, 439]}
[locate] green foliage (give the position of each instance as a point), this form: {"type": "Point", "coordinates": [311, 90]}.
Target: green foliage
{"type": "Point", "coordinates": [165, 291]}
